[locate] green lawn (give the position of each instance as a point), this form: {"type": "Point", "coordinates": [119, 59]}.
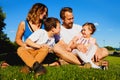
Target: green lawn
{"type": "Point", "coordinates": [67, 72]}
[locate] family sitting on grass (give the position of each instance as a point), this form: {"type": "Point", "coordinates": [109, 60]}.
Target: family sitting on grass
{"type": "Point", "coordinates": [71, 43]}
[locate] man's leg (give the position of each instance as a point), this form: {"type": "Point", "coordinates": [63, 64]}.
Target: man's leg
{"type": "Point", "coordinates": [100, 54]}
{"type": "Point", "coordinates": [60, 51]}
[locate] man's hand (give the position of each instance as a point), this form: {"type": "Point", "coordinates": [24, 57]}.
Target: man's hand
{"type": "Point", "coordinates": [98, 55]}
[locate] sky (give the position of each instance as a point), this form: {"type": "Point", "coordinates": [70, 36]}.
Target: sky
{"type": "Point", "coordinates": [105, 14]}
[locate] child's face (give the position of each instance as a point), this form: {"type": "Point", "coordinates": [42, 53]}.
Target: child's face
{"type": "Point", "coordinates": [86, 32]}
{"type": "Point", "coordinates": [57, 29]}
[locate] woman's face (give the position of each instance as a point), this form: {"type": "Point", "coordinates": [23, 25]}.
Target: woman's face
{"type": "Point", "coordinates": [43, 14]}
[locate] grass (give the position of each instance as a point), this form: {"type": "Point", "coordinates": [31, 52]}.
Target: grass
{"type": "Point", "coordinates": [67, 72]}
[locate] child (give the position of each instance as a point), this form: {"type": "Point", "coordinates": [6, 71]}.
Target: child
{"type": "Point", "coordinates": [85, 40]}
{"type": "Point", "coordinates": [39, 44]}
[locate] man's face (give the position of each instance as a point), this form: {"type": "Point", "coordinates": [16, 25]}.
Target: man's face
{"type": "Point", "coordinates": [68, 20]}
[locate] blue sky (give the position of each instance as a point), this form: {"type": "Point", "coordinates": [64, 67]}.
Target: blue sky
{"type": "Point", "coordinates": [105, 14]}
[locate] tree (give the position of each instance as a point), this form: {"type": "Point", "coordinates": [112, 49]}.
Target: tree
{"type": "Point", "coordinates": [110, 48]}
{"type": "Point", "coordinates": [6, 46]}
{"type": "Point", "coordinates": [2, 17]}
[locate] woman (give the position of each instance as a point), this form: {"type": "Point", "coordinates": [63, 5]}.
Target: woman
{"type": "Point", "coordinates": [33, 22]}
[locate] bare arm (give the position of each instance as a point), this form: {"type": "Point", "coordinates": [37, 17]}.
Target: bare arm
{"type": "Point", "coordinates": [96, 57]}
{"type": "Point", "coordinates": [72, 44]}
{"type": "Point", "coordinates": [19, 34]}
{"type": "Point", "coordinates": [30, 43]}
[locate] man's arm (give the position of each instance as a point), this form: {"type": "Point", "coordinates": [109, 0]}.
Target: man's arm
{"type": "Point", "coordinates": [97, 54]}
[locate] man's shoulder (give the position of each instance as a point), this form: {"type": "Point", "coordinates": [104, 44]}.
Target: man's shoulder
{"type": "Point", "coordinates": [77, 25]}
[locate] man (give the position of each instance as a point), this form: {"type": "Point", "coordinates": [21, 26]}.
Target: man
{"type": "Point", "coordinates": [68, 31]}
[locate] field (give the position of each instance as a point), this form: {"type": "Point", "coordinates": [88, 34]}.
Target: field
{"type": "Point", "coordinates": [67, 72]}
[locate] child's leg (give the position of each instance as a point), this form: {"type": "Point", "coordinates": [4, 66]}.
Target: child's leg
{"type": "Point", "coordinates": [85, 59]}
{"type": "Point", "coordinates": [81, 55]}
{"type": "Point", "coordinates": [90, 53]}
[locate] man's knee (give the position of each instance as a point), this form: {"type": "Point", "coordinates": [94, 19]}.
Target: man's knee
{"type": "Point", "coordinates": [105, 52]}
{"type": "Point", "coordinates": [56, 48]}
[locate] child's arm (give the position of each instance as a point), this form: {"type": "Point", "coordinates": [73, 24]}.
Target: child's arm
{"type": "Point", "coordinates": [30, 43]}
{"type": "Point", "coordinates": [72, 44]}
{"type": "Point", "coordinates": [69, 46]}
{"type": "Point", "coordinates": [51, 50]}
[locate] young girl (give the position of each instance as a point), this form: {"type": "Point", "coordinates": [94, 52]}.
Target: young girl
{"type": "Point", "coordinates": [84, 39]}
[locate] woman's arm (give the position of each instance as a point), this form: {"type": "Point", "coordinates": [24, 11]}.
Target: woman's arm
{"type": "Point", "coordinates": [19, 34]}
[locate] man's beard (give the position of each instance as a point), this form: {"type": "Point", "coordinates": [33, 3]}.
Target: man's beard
{"type": "Point", "coordinates": [70, 25]}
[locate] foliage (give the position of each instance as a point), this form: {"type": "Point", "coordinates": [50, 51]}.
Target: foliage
{"type": "Point", "coordinates": [110, 48]}
{"type": "Point", "coordinates": [7, 45]}
{"type": "Point", "coordinates": [2, 17]}
{"type": "Point", "coordinates": [67, 72]}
